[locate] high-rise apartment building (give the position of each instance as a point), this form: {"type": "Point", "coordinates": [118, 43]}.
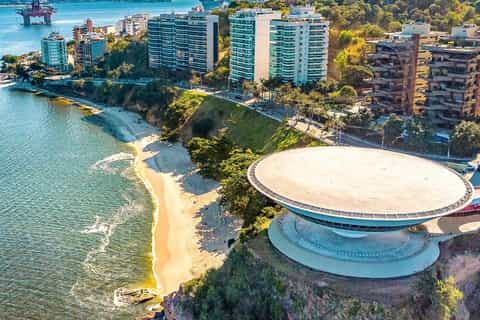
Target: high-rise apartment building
{"type": "Point", "coordinates": [196, 41]}
{"type": "Point", "coordinates": [250, 44]}
{"type": "Point", "coordinates": [90, 42]}
{"type": "Point", "coordinates": [299, 46]}
{"type": "Point", "coordinates": [54, 52]}
{"type": "Point", "coordinates": [132, 25]}
{"type": "Point", "coordinates": [183, 41]}
{"type": "Point", "coordinates": [161, 41]}
{"type": "Point", "coordinates": [400, 67]}
{"type": "Point", "coordinates": [454, 77]}
{"type": "Point", "coordinates": [79, 30]}
{"type": "Point", "coordinates": [91, 47]}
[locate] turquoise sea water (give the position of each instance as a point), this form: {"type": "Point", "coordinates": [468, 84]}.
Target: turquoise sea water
{"type": "Point", "coordinates": [17, 39]}
{"type": "Point", "coordinates": [75, 221]}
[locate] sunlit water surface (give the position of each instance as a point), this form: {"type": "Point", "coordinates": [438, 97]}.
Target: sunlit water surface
{"type": "Point", "coordinates": [75, 221]}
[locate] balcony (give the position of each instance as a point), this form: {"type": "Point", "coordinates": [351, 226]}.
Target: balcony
{"type": "Point", "coordinates": [437, 93]}
{"type": "Point", "coordinates": [452, 104]}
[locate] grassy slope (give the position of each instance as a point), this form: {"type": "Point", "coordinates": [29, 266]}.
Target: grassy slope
{"type": "Point", "coordinates": [245, 127]}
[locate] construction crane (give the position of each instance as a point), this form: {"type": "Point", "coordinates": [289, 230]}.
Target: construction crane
{"type": "Point", "coordinates": [36, 9]}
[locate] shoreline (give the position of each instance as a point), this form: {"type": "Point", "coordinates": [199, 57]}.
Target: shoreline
{"type": "Point", "coordinates": [190, 231]}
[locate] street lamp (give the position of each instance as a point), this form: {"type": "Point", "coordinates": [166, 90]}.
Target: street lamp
{"type": "Point", "coordinates": [448, 147]}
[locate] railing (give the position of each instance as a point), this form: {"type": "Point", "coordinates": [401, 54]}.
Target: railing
{"type": "Point", "coordinates": [356, 215]}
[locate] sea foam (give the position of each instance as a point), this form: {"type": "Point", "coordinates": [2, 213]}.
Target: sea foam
{"type": "Point", "coordinates": [106, 163]}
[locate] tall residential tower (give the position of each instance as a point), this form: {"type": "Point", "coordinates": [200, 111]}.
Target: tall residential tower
{"type": "Point", "coordinates": [183, 41]}
{"type": "Point", "coordinates": [250, 44]}
{"type": "Point", "coordinates": [54, 52]}
{"type": "Point", "coordinates": [299, 47]}
{"type": "Point", "coordinates": [400, 67]}
{"type": "Point", "coordinates": [454, 77]}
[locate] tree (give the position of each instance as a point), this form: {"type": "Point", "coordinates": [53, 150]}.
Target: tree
{"type": "Point", "coordinates": [269, 85]}
{"type": "Point", "coordinates": [238, 195]}
{"type": "Point", "coordinates": [348, 91]}
{"type": "Point", "coordinates": [420, 132]}
{"type": "Point", "coordinates": [394, 26]}
{"type": "Point", "coordinates": [372, 31]}
{"type": "Point", "coordinates": [477, 6]}
{"type": "Point", "coordinates": [122, 71]}
{"type": "Point", "coordinates": [392, 129]}
{"type": "Point", "coordinates": [21, 72]}
{"type": "Point", "coordinates": [208, 154]}
{"type": "Point", "coordinates": [345, 38]}
{"type": "Point", "coordinates": [354, 75]}
{"type": "Point", "coordinates": [362, 118]}
{"type": "Point", "coordinates": [10, 58]}
{"type": "Point", "coordinates": [445, 298]}
{"type": "Point", "coordinates": [465, 140]}
{"type": "Point", "coordinates": [38, 79]}
{"type": "Point", "coordinates": [290, 98]}
{"type": "Point", "coordinates": [250, 87]}
{"type": "Point", "coordinates": [335, 124]}
{"type": "Point", "coordinates": [195, 80]}
{"type": "Point", "coordinates": [243, 288]}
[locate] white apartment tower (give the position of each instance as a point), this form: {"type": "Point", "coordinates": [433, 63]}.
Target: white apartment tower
{"type": "Point", "coordinates": [183, 41]}
{"type": "Point", "coordinates": [299, 47]}
{"type": "Point", "coordinates": [250, 44]}
{"type": "Point", "coordinates": [132, 25]}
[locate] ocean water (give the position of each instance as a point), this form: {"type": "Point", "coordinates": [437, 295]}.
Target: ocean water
{"type": "Point", "coordinates": [75, 221]}
{"type": "Point", "coordinates": [17, 39]}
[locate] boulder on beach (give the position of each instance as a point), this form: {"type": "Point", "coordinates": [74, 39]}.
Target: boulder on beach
{"type": "Point", "coordinates": [125, 296]}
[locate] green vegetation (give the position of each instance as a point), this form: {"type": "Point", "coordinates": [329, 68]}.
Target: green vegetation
{"type": "Point", "coordinates": [445, 298]}
{"type": "Point", "coordinates": [420, 133]}
{"type": "Point", "coordinates": [125, 58]}
{"type": "Point", "coordinates": [24, 67]}
{"type": "Point", "coordinates": [393, 129]}
{"type": "Point", "coordinates": [223, 139]}
{"type": "Point", "coordinates": [210, 153]}
{"type": "Point", "coordinates": [220, 294]}
{"type": "Point", "coordinates": [438, 297]}
{"type": "Point", "coordinates": [466, 138]}
{"type": "Point", "coordinates": [252, 287]}
{"type": "Point", "coordinates": [9, 58]}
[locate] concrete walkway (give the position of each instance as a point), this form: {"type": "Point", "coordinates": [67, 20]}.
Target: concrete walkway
{"type": "Point", "coordinates": [453, 225]}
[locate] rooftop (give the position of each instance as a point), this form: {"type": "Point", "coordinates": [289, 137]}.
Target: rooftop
{"type": "Point", "coordinates": [54, 36]}
{"type": "Point", "coordinates": [360, 183]}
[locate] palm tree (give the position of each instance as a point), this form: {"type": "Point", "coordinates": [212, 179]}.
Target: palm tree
{"type": "Point", "coordinates": [250, 87]}
{"type": "Point", "coordinates": [269, 85]}
{"type": "Point", "coordinates": [335, 124]}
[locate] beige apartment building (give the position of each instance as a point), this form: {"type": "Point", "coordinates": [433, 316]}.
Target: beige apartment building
{"type": "Point", "coordinates": [401, 67]}
{"type": "Point", "coordinates": [453, 83]}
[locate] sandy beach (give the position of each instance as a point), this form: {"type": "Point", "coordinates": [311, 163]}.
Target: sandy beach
{"type": "Point", "coordinates": [190, 230]}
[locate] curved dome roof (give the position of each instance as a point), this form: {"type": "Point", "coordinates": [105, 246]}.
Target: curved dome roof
{"type": "Point", "coordinates": [360, 183]}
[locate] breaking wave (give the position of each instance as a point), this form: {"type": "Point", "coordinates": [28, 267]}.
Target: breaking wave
{"type": "Point", "coordinates": [106, 163]}
{"type": "Point", "coordinates": [94, 262]}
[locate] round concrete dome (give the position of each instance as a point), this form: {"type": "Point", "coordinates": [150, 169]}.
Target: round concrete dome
{"type": "Point", "coordinates": [359, 186]}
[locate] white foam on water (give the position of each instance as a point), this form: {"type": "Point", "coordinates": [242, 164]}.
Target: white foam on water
{"type": "Point", "coordinates": [105, 164]}
{"type": "Point", "coordinates": [106, 227]}
{"type": "Point", "coordinates": [97, 227]}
